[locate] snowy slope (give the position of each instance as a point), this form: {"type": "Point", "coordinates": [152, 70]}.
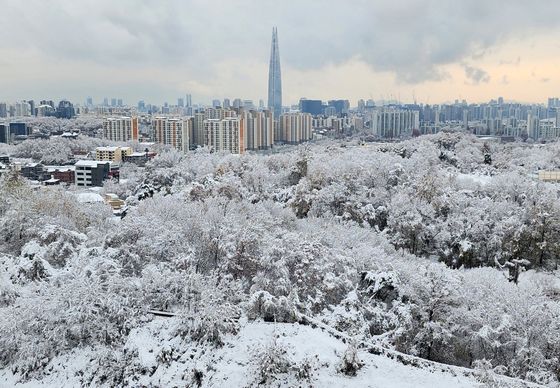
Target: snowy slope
{"type": "Point", "coordinates": [235, 365]}
{"type": "Point", "coordinates": [234, 368]}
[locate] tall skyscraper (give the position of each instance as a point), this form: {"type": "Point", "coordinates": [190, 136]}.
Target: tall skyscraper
{"type": "Point", "coordinates": [274, 77]}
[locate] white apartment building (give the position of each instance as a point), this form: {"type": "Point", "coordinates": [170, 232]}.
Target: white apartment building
{"type": "Point", "coordinates": [259, 129]}
{"type": "Point", "coordinates": [227, 134]}
{"type": "Point", "coordinates": [175, 132]}
{"type": "Point", "coordinates": [120, 128]}
{"type": "Point", "coordinates": [391, 123]}
{"type": "Point", "coordinates": [294, 128]}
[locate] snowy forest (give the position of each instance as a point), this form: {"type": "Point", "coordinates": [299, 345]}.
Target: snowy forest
{"type": "Point", "coordinates": [442, 249]}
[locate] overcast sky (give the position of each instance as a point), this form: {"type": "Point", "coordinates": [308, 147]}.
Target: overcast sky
{"type": "Point", "coordinates": [159, 50]}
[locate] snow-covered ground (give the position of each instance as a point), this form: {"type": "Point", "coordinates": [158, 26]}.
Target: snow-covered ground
{"type": "Point", "coordinates": [236, 363]}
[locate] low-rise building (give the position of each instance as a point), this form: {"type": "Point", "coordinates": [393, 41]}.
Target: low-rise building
{"type": "Point", "coordinates": [112, 154]}
{"type": "Point", "coordinates": [65, 174]}
{"type": "Point", "coordinates": [33, 171]}
{"type": "Point", "coordinates": [91, 173]}
{"type": "Point", "coordinates": [139, 158]}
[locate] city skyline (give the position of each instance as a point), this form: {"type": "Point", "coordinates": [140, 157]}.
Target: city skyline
{"type": "Point", "coordinates": [420, 50]}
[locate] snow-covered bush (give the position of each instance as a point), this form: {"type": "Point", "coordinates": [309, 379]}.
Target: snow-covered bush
{"type": "Point", "coordinates": [350, 363]}
{"type": "Point", "coordinates": [272, 309]}
{"type": "Point", "coordinates": [272, 363]}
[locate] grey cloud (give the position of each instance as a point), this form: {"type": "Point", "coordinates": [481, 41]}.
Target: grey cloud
{"type": "Point", "coordinates": [475, 74]}
{"type": "Point", "coordinates": [413, 39]}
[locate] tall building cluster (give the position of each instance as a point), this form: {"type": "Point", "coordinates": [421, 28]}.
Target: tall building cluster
{"type": "Point", "coordinates": [27, 108]}
{"type": "Point", "coordinates": [217, 128]}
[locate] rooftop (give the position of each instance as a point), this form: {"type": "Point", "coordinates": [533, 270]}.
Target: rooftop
{"type": "Point", "coordinates": [89, 163]}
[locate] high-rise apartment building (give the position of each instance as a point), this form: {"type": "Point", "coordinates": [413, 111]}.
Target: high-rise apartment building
{"type": "Point", "coordinates": [120, 128]}
{"type": "Point", "coordinates": [175, 132]}
{"type": "Point", "coordinates": [199, 137]}
{"type": "Point", "coordinates": [274, 77]}
{"type": "Point", "coordinates": [227, 134]}
{"type": "Point", "coordinates": [259, 129]}
{"type": "Point", "coordinates": [294, 128]}
{"type": "Point", "coordinates": [392, 123]}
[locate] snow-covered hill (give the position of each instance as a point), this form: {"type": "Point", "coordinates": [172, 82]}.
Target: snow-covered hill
{"type": "Point", "coordinates": [269, 354]}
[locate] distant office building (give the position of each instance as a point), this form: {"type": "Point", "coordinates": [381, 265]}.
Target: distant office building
{"type": "Point", "coordinates": [248, 104]}
{"type": "Point", "coordinates": [45, 110]}
{"type": "Point", "coordinates": [275, 77]}
{"type": "Point", "coordinates": [314, 107]}
{"type": "Point", "coordinates": [175, 132]}
{"type": "Point", "coordinates": [19, 129]}
{"type": "Point", "coordinates": [22, 109]}
{"type": "Point", "coordinates": [294, 128]}
{"type": "Point", "coordinates": [216, 104]}
{"type": "Point", "coordinates": [227, 134]}
{"type": "Point", "coordinates": [120, 102]}
{"type": "Point", "coordinates": [227, 104]}
{"type": "Point", "coordinates": [89, 101]}
{"type": "Point", "coordinates": [65, 110]}
{"type": "Point", "coordinates": [237, 103]}
{"type": "Point", "coordinates": [188, 100]}
{"type": "Point", "coordinates": [120, 128]}
{"type": "Point", "coordinates": [3, 109]}
{"type": "Point", "coordinates": [392, 123]}
{"type": "Point", "coordinates": [259, 130]}
{"type": "Point", "coordinates": [341, 106]}
{"type": "Point", "coordinates": [113, 102]}
{"type": "Point", "coordinates": [4, 133]}
{"type": "Point", "coordinates": [181, 102]}
{"type": "Point", "coordinates": [112, 154]}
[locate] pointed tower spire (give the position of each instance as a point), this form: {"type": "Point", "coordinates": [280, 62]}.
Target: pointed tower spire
{"type": "Point", "coordinates": [274, 77]}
